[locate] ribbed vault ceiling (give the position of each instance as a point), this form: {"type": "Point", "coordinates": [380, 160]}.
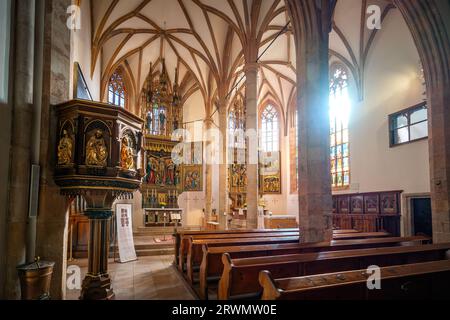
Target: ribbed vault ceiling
{"type": "Point", "coordinates": [209, 40]}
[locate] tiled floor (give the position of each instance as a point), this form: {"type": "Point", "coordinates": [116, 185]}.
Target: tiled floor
{"type": "Point", "coordinates": [149, 278]}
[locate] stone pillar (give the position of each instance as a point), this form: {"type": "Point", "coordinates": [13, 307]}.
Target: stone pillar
{"type": "Point", "coordinates": [21, 138]}
{"type": "Point", "coordinates": [311, 23]}
{"type": "Point", "coordinates": [223, 164]}
{"type": "Point", "coordinates": [97, 283]}
{"type": "Point", "coordinates": [208, 167]}
{"type": "Point", "coordinates": [251, 104]}
{"type": "Point", "coordinates": [430, 28]}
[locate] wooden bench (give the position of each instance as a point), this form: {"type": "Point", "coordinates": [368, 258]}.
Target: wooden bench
{"type": "Point", "coordinates": [186, 244]}
{"type": "Point", "coordinates": [360, 235]}
{"type": "Point", "coordinates": [194, 256]}
{"type": "Point", "coordinates": [181, 237]}
{"type": "Point", "coordinates": [240, 276]}
{"type": "Point", "coordinates": [341, 231]}
{"type": "Point", "coordinates": [212, 267]}
{"type": "Point", "coordinates": [428, 280]}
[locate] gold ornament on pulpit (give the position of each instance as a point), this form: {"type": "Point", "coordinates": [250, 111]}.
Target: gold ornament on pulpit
{"type": "Point", "coordinates": [65, 148]}
{"type": "Point", "coordinates": [96, 150]}
{"type": "Point", "coordinates": [126, 155]}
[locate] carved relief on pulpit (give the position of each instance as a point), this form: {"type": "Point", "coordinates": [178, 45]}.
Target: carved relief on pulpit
{"type": "Point", "coordinates": [96, 150]}
{"type": "Point", "coordinates": [127, 153]}
{"type": "Point", "coordinates": [65, 149]}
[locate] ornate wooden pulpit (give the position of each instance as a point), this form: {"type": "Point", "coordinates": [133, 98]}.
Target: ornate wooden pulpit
{"type": "Point", "coordinates": [99, 158]}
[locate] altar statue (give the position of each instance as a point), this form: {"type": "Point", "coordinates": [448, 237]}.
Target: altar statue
{"type": "Point", "coordinates": [234, 176]}
{"type": "Point", "coordinates": [162, 122]}
{"type": "Point", "coordinates": [96, 151]}
{"type": "Point", "coordinates": [126, 155]}
{"type": "Point", "coordinates": [149, 122]}
{"type": "Point", "coordinates": [162, 171]}
{"type": "Point", "coordinates": [150, 177]}
{"type": "Point", "coordinates": [177, 180]}
{"type": "Point", "coordinates": [170, 178]}
{"type": "Point", "coordinates": [65, 148]}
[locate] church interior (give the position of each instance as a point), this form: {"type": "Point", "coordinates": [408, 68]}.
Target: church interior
{"type": "Point", "coordinates": [224, 150]}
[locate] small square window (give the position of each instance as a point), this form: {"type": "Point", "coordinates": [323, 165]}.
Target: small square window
{"type": "Point", "coordinates": [409, 125]}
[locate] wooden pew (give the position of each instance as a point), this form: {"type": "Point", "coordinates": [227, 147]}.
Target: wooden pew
{"type": "Point", "coordinates": [182, 236]}
{"type": "Point", "coordinates": [212, 267]}
{"type": "Point", "coordinates": [427, 280]}
{"type": "Point", "coordinates": [360, 235]}
{"type": "Point", "coordinates": [240, 276]}
{"type": "Point", "coordinates": [194, 249]}
{"type": "Point", "coordinates": [341, 231]}
{"type": "Point", "coordinates": [194, 256]}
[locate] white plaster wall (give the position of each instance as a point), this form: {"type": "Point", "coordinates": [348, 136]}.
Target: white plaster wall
{"type": "Point", "coordinates": [82, 52]}
{"type": "Point", "coordinates": [392, 83]}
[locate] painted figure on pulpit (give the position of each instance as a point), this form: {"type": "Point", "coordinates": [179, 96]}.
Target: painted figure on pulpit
{"type": "Point", "coordinates": [96, 150]}
{"type": "Point", "coordinates": [65, 148]}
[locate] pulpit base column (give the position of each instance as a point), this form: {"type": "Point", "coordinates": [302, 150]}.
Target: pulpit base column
{"type": "Point", "coordinates": [97, 283]}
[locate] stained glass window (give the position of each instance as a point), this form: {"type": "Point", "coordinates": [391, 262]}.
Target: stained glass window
{"type": "Point", "coordinates": [116, 89]}
{"type": "Point", "coordinates": [339, 119]}
{"type": "Point", "coordinates": [270, 129]}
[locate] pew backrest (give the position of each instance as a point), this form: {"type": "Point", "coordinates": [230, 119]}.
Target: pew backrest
{"type": "Point", "coordinates": [194, 253]}
{"type": "Point", "coordinates": [415, 281]}
{"type": "Point", "coordinates": [182, 236]}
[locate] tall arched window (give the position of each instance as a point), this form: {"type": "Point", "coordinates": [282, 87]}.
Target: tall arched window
{"type": "Point", "coordinates": [339, 119]}
{"type": "Point", "coordinates": [116, 89]}
{"type": "Point", "coordinates": [270, 129]}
